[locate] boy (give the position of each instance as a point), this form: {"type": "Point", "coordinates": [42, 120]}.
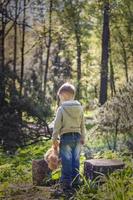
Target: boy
{"type": "Point", "coordinates": [69, 125]}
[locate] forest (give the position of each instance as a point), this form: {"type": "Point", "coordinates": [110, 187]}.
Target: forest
{"type": "Point", "coordinates": [43, 44]}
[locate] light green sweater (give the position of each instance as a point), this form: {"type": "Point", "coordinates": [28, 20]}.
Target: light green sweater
{"type": "Point", "coordinates": [69, 118]}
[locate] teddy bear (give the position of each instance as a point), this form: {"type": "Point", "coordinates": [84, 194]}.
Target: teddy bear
{"type": "Point", "coordinates": [52, 158]}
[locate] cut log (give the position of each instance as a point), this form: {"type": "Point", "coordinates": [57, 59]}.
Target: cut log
{"type": "Point", "coordinates": [96, 167]}
{"type": "Point", "coordinates": [40, 171]}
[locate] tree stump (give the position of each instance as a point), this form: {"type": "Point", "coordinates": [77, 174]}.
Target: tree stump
{"type": "Point", "coordinates": [95, 167]}
{"type": "Point", "coordinates": [40, 171]}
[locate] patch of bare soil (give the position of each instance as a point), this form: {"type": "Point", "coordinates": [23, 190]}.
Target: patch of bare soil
{"type": "Point", "coordinates": [28, 192]}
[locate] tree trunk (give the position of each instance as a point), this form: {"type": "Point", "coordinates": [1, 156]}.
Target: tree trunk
{"type": "Point", "coordinates": [48, 47]}
{"type": "Point", "coordinates": [2, 58]}
{"type": "Point", "coordinates": [105, 55]}
{"type": "Point", "coordinates": [126, 65]}
{"type": "Point", "coordinates": [22, 48]}
{"type": "Point", "coordinates": [78, 46]}
{"type": "Point", "coordinates": [95, 91]}
{"type": "Point", "coordinates": [115, 135]}
{"type": "Point", "coordinates": [77, 32]}
{"type": "Point", "coordinates": [41, 66]}
{"type": "Point", "coordinates": [15, 42]}
{"type": "Point", "coordinates": [112, 80]}
{"type": "Point", "coordinates": [124, 55]}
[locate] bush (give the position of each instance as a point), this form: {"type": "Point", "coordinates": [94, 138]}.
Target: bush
{"type": "Point", "coordinates": [117, 113]}
{"type": "Point", "coordinates": [22, 117]}
{"type": "Point", "coordinates": [15, 126]}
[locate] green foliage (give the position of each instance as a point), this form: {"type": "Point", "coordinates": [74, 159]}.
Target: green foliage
{"type": "Point", "coordinates": [17, 169]}
{"type": "Point", "coordinates": [118, 186]}
{"type": "Point", "coordinates": [56, 174]}
{"type": "Point", "coordinates": [20, 164]}
{"type": "Point", "coordinates": [108, 154]}
{"type": "Point", "coordinates": [5, 172]}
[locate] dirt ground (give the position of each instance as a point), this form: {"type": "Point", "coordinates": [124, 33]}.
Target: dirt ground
{"type": "Point", "coordinates": [30, 192]}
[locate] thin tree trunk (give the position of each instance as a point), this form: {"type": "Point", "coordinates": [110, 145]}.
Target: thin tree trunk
{"type": "Point", "coordinates": [22, 48]}
{"type": "Point", "coordinates": [15, 42]}
{"type": "Point", "coordinates": [2, 58]}
{"type": "Point", "coordinates": [48, 47]}
{"type": "Point", "coordinates": [112, 80]}
{"type": "Point", "coordinates": [78, 46]}
{"type": "Point", "coordinates": [115, 135]}
{"type": "Point", "coordinates": [125, 64]}
{"type": "Point", "coordinates": [124, 57]}
{"type": "Point", "coordinates": [41, 66]}
{"type": "Point", "coordinates": [95, 90]}
{"type": "Point", "coordinates": [105, 55]}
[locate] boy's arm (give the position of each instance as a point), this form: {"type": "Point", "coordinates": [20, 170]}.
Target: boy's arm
{"type": "Point", "coordinates": [83, 129]}
{"type": "Point", "coordinates": [57, 127]}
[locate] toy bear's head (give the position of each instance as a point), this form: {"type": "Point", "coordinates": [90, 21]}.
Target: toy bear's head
{"type": "Point", "coordinates": [52, 158]}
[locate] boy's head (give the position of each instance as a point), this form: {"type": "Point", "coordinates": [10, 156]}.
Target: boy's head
{"type": "Point", "coordinates": [66, 92]}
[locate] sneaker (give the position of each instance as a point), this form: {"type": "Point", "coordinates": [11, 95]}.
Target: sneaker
{"type": "Point", "coordinates": [63, 191]}
{"type": "Point", "coordinates": [77, 185]}
{"type": "Point", "coordinates": [58, 193]}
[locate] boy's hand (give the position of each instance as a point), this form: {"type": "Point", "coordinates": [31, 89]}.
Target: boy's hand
{"type": "Point", "coordinates": [55, 144]}
{"type": "Point", "coordinates": [82, 141]}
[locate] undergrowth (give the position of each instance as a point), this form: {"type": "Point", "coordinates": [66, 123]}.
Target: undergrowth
{"type": "Point", "coordinates": [17, 170]}
{"type": "Point", "coordinates": [117, 186]}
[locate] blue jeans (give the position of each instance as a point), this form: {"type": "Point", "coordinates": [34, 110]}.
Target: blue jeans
{"type": "Point", "coordinates": [70, 155]}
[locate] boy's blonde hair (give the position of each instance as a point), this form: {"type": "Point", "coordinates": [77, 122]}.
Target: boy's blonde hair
{"type": "Point", "coordinates": [67, 88]}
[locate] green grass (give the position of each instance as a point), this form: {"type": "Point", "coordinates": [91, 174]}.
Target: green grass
{"type": "Point", "coordinates": [17, 170]}
{"type": "Point", "coordinates": [117, 186]}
